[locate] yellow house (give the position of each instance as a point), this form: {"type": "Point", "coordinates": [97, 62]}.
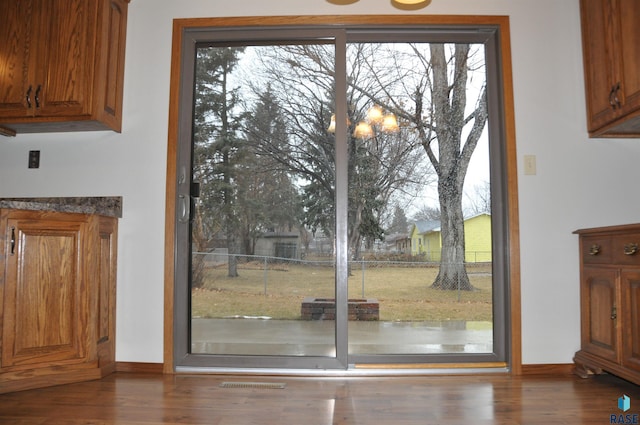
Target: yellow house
{"type": "Point", "coordinates": [477, 238]}
{"type": "Point", "coordinates": [426, 240]}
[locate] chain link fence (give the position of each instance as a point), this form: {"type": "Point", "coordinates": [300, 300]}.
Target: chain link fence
{"type": "Point", "coordinates": [270, 268]}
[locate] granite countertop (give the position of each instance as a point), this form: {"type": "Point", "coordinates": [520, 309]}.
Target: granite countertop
{"type": "Point", "coordinates": [110, 206]}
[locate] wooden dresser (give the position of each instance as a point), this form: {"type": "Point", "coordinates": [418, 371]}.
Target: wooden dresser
{"type": "Point", "coordinates": [609, 302]}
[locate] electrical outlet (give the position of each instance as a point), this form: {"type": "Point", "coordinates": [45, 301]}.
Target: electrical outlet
{"type": "Point", "coordinates": [34, 159]}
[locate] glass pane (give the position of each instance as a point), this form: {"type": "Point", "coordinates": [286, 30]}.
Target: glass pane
{"type": "Point", "coordinates": [419, 200]}
{"type": "Point", "coordinates": [263, 228]}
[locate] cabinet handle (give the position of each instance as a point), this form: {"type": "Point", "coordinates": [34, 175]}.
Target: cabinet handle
{"type": "Point", "coordinates": [616, 89]}
{"type": "Point", "coordinates": [614, 313]}
{"type": "Point", "coordinates": [630, 248]}
{"type": "Point", "coordinates": [37, 97]}
{"type": "Point", "coordinates": [594, 250]}
{"type": "Point", "coordinates": [611, 102]}
{"type": "Point", "coordinates": [13, 240]}
{"type": "Point", "coordinates": [28, 97]}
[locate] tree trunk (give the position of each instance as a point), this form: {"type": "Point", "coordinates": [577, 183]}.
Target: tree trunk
{"type": "Point", "coordinates": [232, 248]}
{"type": "Point", "coordinates": [453, 273]}
{"type": "Point", "coordinates": [197, 261]}
{"type": "Point", "coordinates": [452, 161]}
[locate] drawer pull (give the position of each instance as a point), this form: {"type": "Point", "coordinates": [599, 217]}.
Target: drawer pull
{"type": "Point", "coordinates": [594, 250]}
{"type": "Point", "coordinates": [630, 248]}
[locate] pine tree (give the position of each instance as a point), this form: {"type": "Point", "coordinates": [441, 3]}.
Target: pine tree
{"type": "Point", "coordinates": [217, 153]}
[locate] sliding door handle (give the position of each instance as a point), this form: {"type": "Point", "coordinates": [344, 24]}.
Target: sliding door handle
{"type": "Point", "coordinates": [184, 208]}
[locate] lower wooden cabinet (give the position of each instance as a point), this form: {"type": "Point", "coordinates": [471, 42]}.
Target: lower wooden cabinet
{"type": "Point", "coordinates": [610, 302]}
{"type": "Point", "coordinates": [57, 293]}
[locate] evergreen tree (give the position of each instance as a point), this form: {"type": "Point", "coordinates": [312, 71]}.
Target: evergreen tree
{"type": "Point", "coordinates": [399, 224]}
{"type": "Point", "coordinates": [268, 198]}
{"type": "Point", "coordinates": [217, 153]}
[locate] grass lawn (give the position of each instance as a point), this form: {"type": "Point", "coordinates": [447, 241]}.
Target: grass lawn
{"type": "Point", "coordinates": [403, 292]}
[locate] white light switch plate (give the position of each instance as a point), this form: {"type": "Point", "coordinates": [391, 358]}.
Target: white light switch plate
{"type": "Point", "coordinates": [529, 165]}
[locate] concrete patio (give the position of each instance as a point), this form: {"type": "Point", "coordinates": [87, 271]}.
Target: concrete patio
{"type": "Point", "coordinates": [263, 336]}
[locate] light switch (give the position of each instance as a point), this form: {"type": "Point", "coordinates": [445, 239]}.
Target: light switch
{"type": "Point", "coordinates": [529, 165]}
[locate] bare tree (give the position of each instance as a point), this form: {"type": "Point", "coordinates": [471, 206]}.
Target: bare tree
{"type": "Point", "coordinates": [435, 79]}
{"type": "Point", "coordinates": [426, 212]}
{"type": "Point", "coordinates": [449, 118]}
{"type": "Point", "coordinates": [480, 201]}
{"type": "Point", "coordinates": [380, 165]}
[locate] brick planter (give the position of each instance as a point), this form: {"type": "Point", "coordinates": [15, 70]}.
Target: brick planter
{"type": "Point", "coordinates": [325, 309]}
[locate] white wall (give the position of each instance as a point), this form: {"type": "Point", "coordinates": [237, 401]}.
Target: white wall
{"type": "Point", "coordinates": [580, 182]}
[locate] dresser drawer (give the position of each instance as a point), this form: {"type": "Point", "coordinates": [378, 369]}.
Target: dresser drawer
{"type": "Point", "coordinates": [626, 249]}
{"type": "Point", "coordinates": [596, 249]}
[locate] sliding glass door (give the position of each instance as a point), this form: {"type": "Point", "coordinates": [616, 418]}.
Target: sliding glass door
{"type": "Point", "coordinates": [260, 160]}
{"type": "Point", "coordinates": [342, 196]}
{"type": "Point", "coordinates": [420, 213]}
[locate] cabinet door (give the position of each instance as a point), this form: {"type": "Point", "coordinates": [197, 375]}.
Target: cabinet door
{"type": "Point", "coordinates": [66, 57]}
{"type": "Point", "coordinates": [109, 79]}
{"type": "Point", "coordinates": [627, 42]}
{"type": "Point", "coordinates": [599, 312]}
{"type": "Point", "coordinates": [62, 64]}
{"type": "Point", "coordinates": [630, 287]}
{"type": "Point", "coordinates": [45, 301]}
{"type": "Point", "coordinates": [17, 55]}
{"type": "Point", "coordinates": [599, 60]}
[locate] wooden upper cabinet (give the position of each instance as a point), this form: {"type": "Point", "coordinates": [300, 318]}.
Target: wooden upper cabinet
{"type": "Point", "coordinates": [610, 39]}
{"type": "Point", "coordinates": [64, 52]}
{"type": "Point", "coordinates": [63, 68]}
{"type": "Point", "coordinates": [15, 39]}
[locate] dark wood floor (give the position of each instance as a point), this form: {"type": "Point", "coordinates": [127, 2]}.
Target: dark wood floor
{"type": "Point", "coordinates": [132, 399]}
